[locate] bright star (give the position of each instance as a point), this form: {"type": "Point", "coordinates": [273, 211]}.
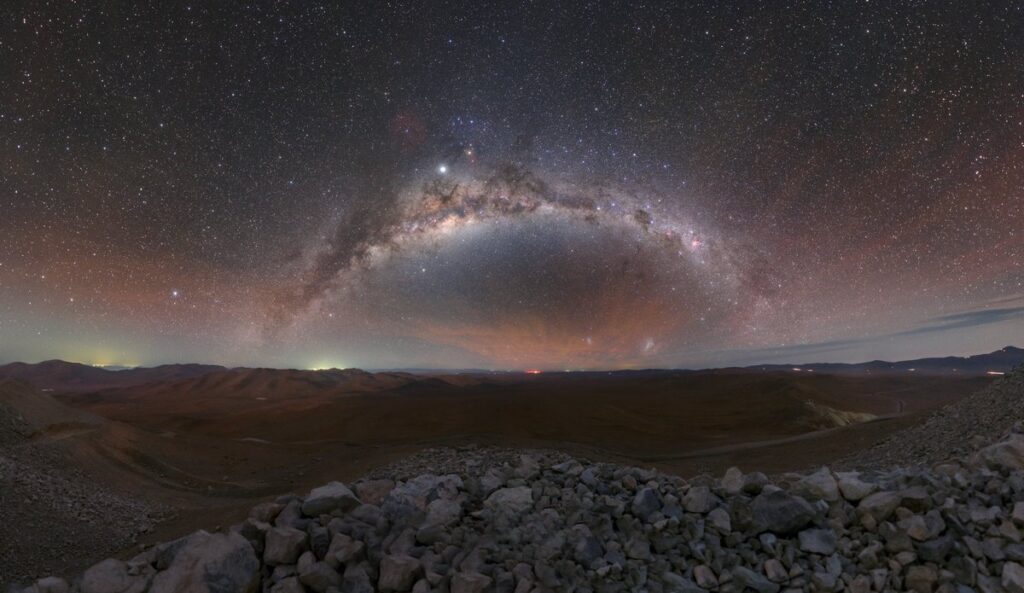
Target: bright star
{"type": "Point", "coordinates": [442, 169]}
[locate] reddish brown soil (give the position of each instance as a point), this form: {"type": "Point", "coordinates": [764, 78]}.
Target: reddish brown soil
{"type": "Point", "coordinates": [208, 447]}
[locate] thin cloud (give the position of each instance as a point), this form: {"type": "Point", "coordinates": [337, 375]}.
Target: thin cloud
{"type": "Point", "coordinates": [942, 323]}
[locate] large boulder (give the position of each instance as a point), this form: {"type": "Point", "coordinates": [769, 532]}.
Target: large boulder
{"type": "Point", "coordinates": [646, 502]}
{"type": "Point", "coordinates": [921, 579]}
{"type": "Point", "coordinates": [1008, 454]}
{"type": "Point", "coordinates": [111, 576]}
{"type": "Point", "coordinates": [518, 499]}
{"type": "Point", "coordinates": [470, 582]}
{"type": "Point", "coordinates": [880, 504]}
{"type": "Point", "coordinates": [732, 481]}
{"type": "Point", "coordinates": [819, 485]}
{"type": "Point", "coordinates": [288, 585]}
{"type": "Point", "coordinates": [443, 512]}
{"type": "Point", "coordinates": [357, 579]}
{"type": "Point", "coordinates": [319, 576]}
{"type": "Point", "coordinates": [283, 545]}
{"type": "Point", "coordinates": [699, 499]}
{"type": "Point", "coordinates": [818, 541]}
{"type": "Point", "coordinates": [780, 512]}
{"type": "Point", "coordinates": [675, 583]}
{"type": "Point", "coordinates": [331, 497]}
{"type": "Point", "coordinates": [374, 491]}
{"type": "Point", "coordinates": [398, 572]}
{"type": "Point", "coordinates": [1013, 577]}
{"type": "Point", "coordinates": [52, 585]}
{"type": "Point", "coordinates": [749, 579]}
{"type": "Point", "coordinates": [852, 487]}
{"type": "Point", "coordinates": [211, 563]}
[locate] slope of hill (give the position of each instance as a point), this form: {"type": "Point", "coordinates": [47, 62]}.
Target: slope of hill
{"type": "Point", "coordinates": [649, 413]}
{"type": "Point", "coordinates": [50, 509]}
{"type": "Point", "coordinates": [230, 391]}
{"type": "Point", "coordinates": [25, 411]}
{"type": "Point", "coordinates": [999, 362]}
{"type": "Point", "coordinates": [951, 431]}
{"type": "Point", "coordinates": [61, 376]}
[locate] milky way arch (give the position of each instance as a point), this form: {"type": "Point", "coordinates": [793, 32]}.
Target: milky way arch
{"type": "Point", "coordinates": [683, 271]}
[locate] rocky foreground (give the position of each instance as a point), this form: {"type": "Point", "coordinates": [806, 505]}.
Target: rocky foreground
{"type": "Point", "coordinates": [544, 522]}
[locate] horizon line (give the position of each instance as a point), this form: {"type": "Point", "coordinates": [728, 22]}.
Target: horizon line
{"type": "Point", "coordinates": [525, 370]}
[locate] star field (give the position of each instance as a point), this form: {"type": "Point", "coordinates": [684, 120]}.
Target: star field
{"type": "Point", "coordinates": [552, 185]}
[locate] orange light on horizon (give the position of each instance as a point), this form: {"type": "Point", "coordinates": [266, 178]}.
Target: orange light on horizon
{"type": "Point", "coordinates": [532, 371]}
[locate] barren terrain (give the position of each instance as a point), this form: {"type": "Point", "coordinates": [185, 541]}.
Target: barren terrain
{"type": "Point", "coordinates": [199, 450]}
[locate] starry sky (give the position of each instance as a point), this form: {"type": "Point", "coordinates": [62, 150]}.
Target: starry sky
{"type": "Point", "coordinates": [510, 185]}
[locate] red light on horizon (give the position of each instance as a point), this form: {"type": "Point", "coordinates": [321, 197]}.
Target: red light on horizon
{"type": "Point", "coordinates": [532, 371]}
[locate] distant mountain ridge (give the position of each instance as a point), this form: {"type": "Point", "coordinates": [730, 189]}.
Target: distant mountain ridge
{"type": "Point", "coordinates": [61, 376]}
{"type": "Point", "coordinates": [58, 375]}
{"type": "Point", "coordinates": [1003, 360]}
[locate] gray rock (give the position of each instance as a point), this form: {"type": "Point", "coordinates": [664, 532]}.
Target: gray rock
{"type": "Point", "coordinates": [705, 577]}
{"type": "Point", "coordinates": [570, 467]}
{"type": "Point", "coordinates": [675, 583]}
{"type": "Point", "coordinates": [935, 550]}
{"type": "Point", "coordinates": [211, 563]}
{"type": "Point", "coordinates": [646, 502]}
{"type": "Point", "coordinates": [254, 532]}
{"type": "Point", "coordinates": [720, 519]}
{"type": "Point", "coordinates": [588, 549]}
{"type": "Point", "coordinates": [443, 512]}
{"type": "Point", "coordinates": [518, 499]}
{"type": "Point", "coordinates": [852, 487]}
{"type": "Point", "coordinates": [52, 585]}
{"type": "Point", "coordinates": [1007, 454]}
{"type": "Point", "coordinates": [283, 545]}
{"type": "Point", "coordinates": [923, 527]}
{"type": "Point", "coordinates": [752, 580]}
{"type": "Point", "coordinates": [356, 580]}
{"type": "Point", "coordinates": [775, 571]}
{"type": "Point", "coordinates": [1018, 513]}
{"type": "Point", "coordinates": [328, 498]}
{"type": "Point", "coordinates": [823, 582]}
{"type": "Point", "coordinates": [1013, 577]}
{"type": "Point", "coordinates": [265, 512]}
{"type": "Point", "coordinates": [398, 573]}
{"type": "Point", "coordinates": [305, 564]}
{"type": "Point", "coordinates": [638, 548]}
{"type": "Point", "coordinates": [469, 582]}
{"type": "Point", "coordinates": [819, 485]}
{"type": "Point", "coordinates": [698, 499]}
{"type": "Point", "coordinates": [754, 482]}
{"type": "Point", "coordinates": [288, 585]}
{"type": "Point", "coordinates": [320, 577]}
{"type": "Point", "coordinates": [528, 467]}
{"type": "Point", "coordinates": [111, 576]}
{"type": "Point", "coordinates": [374, 491]}
{"type": "Point", "coordinates": [916, 499]}
{"type": "Point", "coordinates": [291, 516]}
{"type": "Point", "coordinates": [818, 541]}
{"type": "Point", "coordinates": [781, 513]}
{"type": "Point", "coordinates": [879, 505]}
{"type": "Point", "coordinates": [732, 481]}
{"type": "Point", "coordinates": [921, 578]}
{"type": "Point", "coordinates": [343, 549]}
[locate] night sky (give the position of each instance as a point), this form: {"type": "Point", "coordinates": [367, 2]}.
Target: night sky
{"type": "Point", "coordinates": [548, 184]}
